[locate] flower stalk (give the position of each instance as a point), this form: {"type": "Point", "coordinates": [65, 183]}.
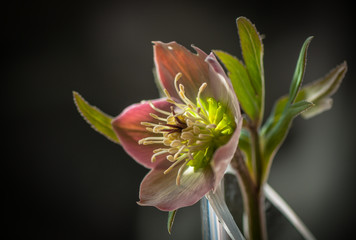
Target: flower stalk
{"type": "Point", "coordinates": [253, 200]}
{"type": "Point", "coordinates": [257, 159]}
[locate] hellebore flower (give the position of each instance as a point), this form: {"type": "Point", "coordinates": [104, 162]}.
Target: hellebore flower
{"type": "Point", "coordinates": [189, 137]}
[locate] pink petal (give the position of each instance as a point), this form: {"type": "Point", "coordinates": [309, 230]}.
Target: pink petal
{"type": "Point", "coordinates": [160, 190]}
{"type": "Point", "coordinates": [172, 58]}
{"type": "Point", "coordinates": [129, 130]}
{"type": "Point", "coordinates": [223, 155]}
{"type": "Point", "coordinates": [225, 93]}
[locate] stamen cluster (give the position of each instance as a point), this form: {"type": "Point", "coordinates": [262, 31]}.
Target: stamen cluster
{"type": "Point", "coordinates": [191, 132]}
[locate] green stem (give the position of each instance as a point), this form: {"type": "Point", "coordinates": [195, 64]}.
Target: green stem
{"type": "Point", "coordinates": [257, 162]}
{"type": "Point", "coordinates": [253, 199]}
{"type": "Point", "coordinates": [255, 212]}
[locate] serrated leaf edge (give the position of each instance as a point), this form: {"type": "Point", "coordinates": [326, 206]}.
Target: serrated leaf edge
{"type": "Point", "coordinates": [77, 95]}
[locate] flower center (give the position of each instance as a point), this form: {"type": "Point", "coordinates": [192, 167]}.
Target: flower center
{"type": "Point", "coordinates": [191, 132]}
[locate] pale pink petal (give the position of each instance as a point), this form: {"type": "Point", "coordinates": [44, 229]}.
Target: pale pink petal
{"type": "Point", "coordinates": [129, 130]}
{"type": "Point", "coordinates": [221, 84]}
{"type": "Point", "coordinates": [172, 58]}
{"type": "Point", "coordinates": [160, 190]}
{"type": "Point", "coordinates": [223, 155]}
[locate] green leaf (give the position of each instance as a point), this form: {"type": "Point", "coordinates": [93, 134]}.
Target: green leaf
{"type": "Point", "coordinates": [319, 91]}
{"type": "Point", "coordinates": [98, 120]}
{"type": "Point", "coordinates": [171, 216]}
{"type": "Point", "coordinates": [275, 115]}
{"type": "Point", "coordinates": [274, 137]}
{"type": "Point", "coordinates": [299, 71]}
{"type": "Point", "coordinates": [242, 84]}
{"type": "Point", "coordinates": [252, 52]}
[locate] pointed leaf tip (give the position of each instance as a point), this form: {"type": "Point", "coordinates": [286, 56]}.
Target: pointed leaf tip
{"type": "Point", "coordinates": [252, 53]}
{"type": "Point", "coordinates": [319, 92]}
{"type": "Point", "coordinates": [97, 119]}
{"type": "Point", "coordinates": [171, 216]}
{"type": "Point", "coordinates": [299, 71]}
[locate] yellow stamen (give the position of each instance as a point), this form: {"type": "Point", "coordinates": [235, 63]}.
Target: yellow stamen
{"type": "Point", "coordinates": [158, 118]}
{"type": "Point", "coordinates": [181, 158]}
{"type": "Point", "coordinates": [157, 109]}
{"type": "Point", "coordinates": [180, 172]}
{"type": "Point", "coordinates": [186, 131]}
{"type": "Point", "coordinates": [179, 151]}
{"type": "Point", "coordinates": [153, 158]}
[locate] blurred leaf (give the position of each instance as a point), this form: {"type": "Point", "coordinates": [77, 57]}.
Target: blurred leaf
{"type": "Point", "coordinates": [274, 136]}
{"type": "Point", "coordinates": [299, 71]}
{"type": "Point", "coordinates": [98, 120]}
{"type": "Point", "coordinates": [319, 92]}
{"type": "Point", "coordinates": [241, 83]}
{"type": "Point", "coordinates": [275, 115]}
{"type": "Point", "coordinates": [287, 211]}
{"type": "Point", "coordinates": [322, 105]}
{"type": "Point", "coordinates": [252, 52]}
{"type": "Point", "coordinates": [171, 216]}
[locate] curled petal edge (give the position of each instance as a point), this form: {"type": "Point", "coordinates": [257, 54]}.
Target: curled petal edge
{"type": "Point", "coordinates": [223, 155]}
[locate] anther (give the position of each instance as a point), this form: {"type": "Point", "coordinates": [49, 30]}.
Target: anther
{"type": "Point", "coordinates": [196, 130]}
{"type": "Point", "coordinates": [157, 109]}
{"type": "Point", "coordinates": [170, 158]}
{"type": "Point", "coordinates": [178, 76]}
{"type": "Point", "coordinates": [167, 94]}
{"type": "Point", "coordinates": [167, 142]}
{"type": "Point", "coordinates": [204, 136]}
{"type": "Point", "coordinates": [180, 172]}
{"type": "Point", "coordinates": [202, 88]}
{"type": "Point", "coordinates": [148, 124]}
{"type": "Point", "coordinates": [149, 129]}
{"type": "Point", "coordinates": [172, 150]}
{"type": "Point", "coordinates": [158, 118]}
{"type": "Point", "coordinates": [175, 143]}
{"type": "Point", "coordinates": [210, 126]}
{"type": "Point", "coordinates": [157, 129]}
{"type": "Point", "coordinates": [187, 135]}
{"type": "Point", "coordinates": [181, 158]}
{"type": "Point", "coordinates": [179, 151]}
{"type": "Point", "coordinates": [153, 158]}
{"type": "Point", "coordinates": [151, 142]}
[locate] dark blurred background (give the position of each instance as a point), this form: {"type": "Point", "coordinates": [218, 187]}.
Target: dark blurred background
{"type": "Point", "coordinates": [65, 181]}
